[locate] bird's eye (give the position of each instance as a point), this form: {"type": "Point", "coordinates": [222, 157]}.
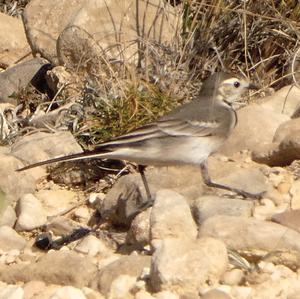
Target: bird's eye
{"type": "Point", "coordinates": [236, 84]}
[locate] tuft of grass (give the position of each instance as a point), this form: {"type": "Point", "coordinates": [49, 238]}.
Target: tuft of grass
{"type": "Point", "coordinates": [142, 103]}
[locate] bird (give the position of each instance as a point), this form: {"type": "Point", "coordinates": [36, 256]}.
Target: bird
{"type": "Point", "coordinates": [187, 135]}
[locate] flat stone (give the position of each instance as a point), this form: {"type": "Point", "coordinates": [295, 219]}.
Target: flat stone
{"type": "Point", "coordinates": [249, 180]}
{"type": "Point", "coordinates": [241, 233]}
{"type": "Point", "coordinates": [56, 201]}
{"type": "Point", "coordinates": [42, 146]}
{"type": "Point", "coordinates": [58, 267]}
{"type": "Point", "coordinates": [187, 265]}
{"type": "Point", "coordinates": [289, 219]}
{"type": "Point", "coordinates": [208, 206]}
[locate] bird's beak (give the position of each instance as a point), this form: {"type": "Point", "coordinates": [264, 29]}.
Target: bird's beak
{"type": "Point", "coordinates": [253, 86]}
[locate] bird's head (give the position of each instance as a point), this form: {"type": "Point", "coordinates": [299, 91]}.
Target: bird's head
{"type": "Point", "coordinates": [226, 87]}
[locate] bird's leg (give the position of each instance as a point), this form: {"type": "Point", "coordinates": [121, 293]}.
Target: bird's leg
{"type": "Point", "coordinates": [150, 201]}
{"type": "Point", "coordinates": [207, 180]}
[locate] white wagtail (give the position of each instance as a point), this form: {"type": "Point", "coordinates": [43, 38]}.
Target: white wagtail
{"type": "Point", "coordinates": [187, 135]}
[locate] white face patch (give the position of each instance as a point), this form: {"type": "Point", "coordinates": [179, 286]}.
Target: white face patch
{"type": "Point", "coordinates": [231, 81]}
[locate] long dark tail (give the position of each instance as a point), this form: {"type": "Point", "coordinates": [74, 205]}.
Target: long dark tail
{"type": "Point", "coordinates": [96, 153]}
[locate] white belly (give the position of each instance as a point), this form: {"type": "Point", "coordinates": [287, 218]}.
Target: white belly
{"type": "Point", "coordinates": [181, 151]}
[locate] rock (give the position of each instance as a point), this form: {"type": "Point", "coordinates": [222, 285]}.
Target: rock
{"type": "Point", "coordinates": [265, 209]}
{"type": "Point", "coordinates": [31, 213]}
{"type": "Point", "coordinates": [91, 294]}
{"type": "Point", "coordinates": [33, 288]}
{"type": "Point", "coordinates": [13, 43]}
{"type": "Point", "coordinates": [285, 146]}
{"type": "Point", "coordinates": [88, 22]}
{"type": "Point", "coordinates": [139, 233]}
{"type": "Point", "coordinates": [241, 233]}
{"type": "Point", "coordinates": [187, 265]}
{"type": "Point", "coordinates": [171, 217]}
{"type": "Point", "coordinates": [249, 180]}
{"type": "Point", "coordinates": [289, 219]}
{"type": "Point", "coordinates": [242, 292]}
{"type": "Point", "coordinates": [10, 239]}
{"type": "Point", "coordinates": [9, 177]}
{"type": "Point", "coordinates": [93, 246]}
{"type": "Point", "coordinates": [143, 295]}
{"type": "Point", "coordinates": [295, 193]}
{"type": "Point", "coordinates": [233, 277]}
{"type": "Point", "coordinates": [215, 294]}
{"type": "Point", "coordinates": [56, 201]}
{"type": "Point", "coordinates": [61, 225]}
{"type": "Point", "coordinates": [46, 292]}
{"type": "Point", "coordinates": [82, 214]}
{"type": "Point", "coordinates": [121, 286]}
{"type": "Point", "coordinates": [76, 44]}
{"type": "Point", "coordinates": [131, 265]}
{"type": "Point", "coordinates": [42, 38]}
{"type": "Point", "coordinates": [58, 267]}
{"type": "Point", "coordinates": [208, 206]}
{"type": "Point", "coordinates": [167, 295]}
{"type": "Point", "coordinates": [42, 146]}
{"type": "Point", "coordinates": [282, 283]}
{"type": "Point", "coordinates": [11, 292]}
{"type": "Point", "coordinates": [284, 101]}
{"type": "Point", "coordinates": [12, 256]}
{"type": "Point", "coordinates": [124, 199]}
{"type": "Point", "coordinates": [68, 292]}
{"type": "Point", "coordinates": [245, 134]}
{"type": "Point", "coordinates": [17, 77]}
{"type": "Point", "coordinates": [8, 217]}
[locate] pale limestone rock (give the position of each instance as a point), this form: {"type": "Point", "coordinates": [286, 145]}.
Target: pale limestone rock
{"type": "Point", "coordinates": [68, 292]}
{"type": "Point", "coordinates": [9, 177]}
{"type": "Point", "coordinates": [56, 201]}
{"type": "Point", "coordinates": [187, 265]}
{"type": "Point", "coordinates": [233, 277]}
{"type": "Point", "coordinates": [13, 43]}
{"type": "Point", "coordinates": [34, 287]}
{"type": "Point", "coordinates": [121, 286]}
{"type": "Point", "coordinates": [241, 233]}
{"type": "Point", "coordinates": [11, 292]}
{"type": "Point", "coordinates": [93, 246]}
{"type": "Point", "coordinates": [171, 217]}
{"type": "Point", "coordinates": [31, 213]}
{"type": "Point", "coordinates": [208, 206]}
{"type": "Point", "coordinates": [245, 136]}
{"type": "Point", "coordinates": [132, 266]}
{"type": "Point", "coordinates": [10, 239]}
{"type": "Point", "coordinates": [8, 217]}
